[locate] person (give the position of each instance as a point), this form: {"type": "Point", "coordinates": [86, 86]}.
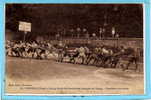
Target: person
{"type": "Point", "coordinates": [105, 51]}
{"type": "Point", "coordinates": [61, 52]}
{"type": "Point", "coordinates": [113, 32]}
{"type": "Point", "coordinates": [81, 51]}
{"type": "Point", "coordinates": [8, 48]}
{"type": "Point", "coordinates": [49, 45]}
{"type": "Point", "coordinates": [121, 51]}
{"type": "Point", "coordinates": [57, 36]}
{"type": "Point", "coordinates": [34, 44]}
{"type": "Point", "coordinates": [106, 54]}
{"type": "Point", "coordinates": [101, 31]}
{"type": "Point", "coordinates": [87, 53]}
{"type": "Point", "coordinates": [133, 58]}
{"type": "Point", "coordinates": [87, 35]}
{"type": "Point", "coordinates": [94, 36]}
{"type": "Point", "coordinates": [16, 50]}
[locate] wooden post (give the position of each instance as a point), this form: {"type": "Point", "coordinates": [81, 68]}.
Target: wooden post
{"type": "Point", "coordinates": [25, 32]}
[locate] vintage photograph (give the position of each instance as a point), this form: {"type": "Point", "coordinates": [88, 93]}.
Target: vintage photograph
{"type": "Point", "coordinates": [74, 49]}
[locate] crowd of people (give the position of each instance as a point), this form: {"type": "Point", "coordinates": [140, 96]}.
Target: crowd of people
{"type": "Point", "coordinates": [35, 50]}
{"type": "Point", "coordinates": [100, 55]}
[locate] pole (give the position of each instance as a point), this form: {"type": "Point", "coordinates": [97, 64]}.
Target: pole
{"type": "Point", "coordinates": [117, 36]}
{"type": "Point", "coordinates": [117, 42]}
{"type": "Point", "coordinates": [25, 32]}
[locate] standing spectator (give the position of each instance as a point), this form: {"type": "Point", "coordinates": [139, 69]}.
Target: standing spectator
{"type": "Point", "coordinates": [78, 32]}
{"type": "Point", "coordinates": [93, 36]}
{"type": "Point", "coordinates": [113, 32]}
{"type": "Point", "coordinates": [72, 32]}
{"type": "Point", "coordinates": [87, 35]}
{"type": "Point", "coordinates": [57, 36]}
{"type": "Point", "coordinates": [117, 35]}
{"type": "Point", "coordinates": [84, 31]}
{"type": "Point", "coordinates": [101, 31]}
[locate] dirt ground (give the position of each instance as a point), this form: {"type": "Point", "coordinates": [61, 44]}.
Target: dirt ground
{"type": "Point", "coordinates": [29, 76]}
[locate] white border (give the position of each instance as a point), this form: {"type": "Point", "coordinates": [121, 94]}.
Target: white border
{"type": "Point", "coordinates": [144, 55]}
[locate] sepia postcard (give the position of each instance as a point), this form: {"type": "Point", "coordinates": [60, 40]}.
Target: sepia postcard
{"type": "Point", "coordinates": [75, 49]}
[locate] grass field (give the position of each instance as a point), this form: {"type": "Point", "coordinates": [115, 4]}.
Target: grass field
{"type": "Point", "coordinates": [49, 77]}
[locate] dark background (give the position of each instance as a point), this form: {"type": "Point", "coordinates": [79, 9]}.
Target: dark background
{"type": "Point", "coordinates": [50, 19]}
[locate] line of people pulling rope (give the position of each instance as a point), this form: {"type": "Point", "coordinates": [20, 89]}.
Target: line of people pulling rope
{"type": "Point", "coordinates": [101, 56]}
